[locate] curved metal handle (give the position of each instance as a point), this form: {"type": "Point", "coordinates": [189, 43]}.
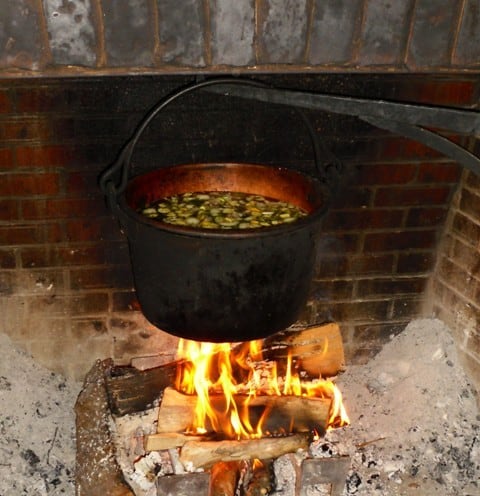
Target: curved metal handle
{"type": "Point", "coordinates": [121, 165]}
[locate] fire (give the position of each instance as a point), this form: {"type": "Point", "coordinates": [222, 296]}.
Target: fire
{"type": "Point", "coordinates": [225, 379]}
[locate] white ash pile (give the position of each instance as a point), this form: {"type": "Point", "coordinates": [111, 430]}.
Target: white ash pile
{"type": "Point", "coordinates": [415, 421]}
{"type": "Point", "coordinates": [37, 426]}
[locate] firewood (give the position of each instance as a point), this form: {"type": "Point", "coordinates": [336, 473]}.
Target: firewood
{"type": "Point", "coordinates": [224, 478]}
{"type": "Point", "coordinates": [203, 454]}
{"type": "Point", "coordinates": [318, 350]}
{"type": "Point", "coordinates": [130, 390]}
{"type": "Point", "coordinates": [168, 440]}
{"type": "Point", "coordinates": [287, 413]}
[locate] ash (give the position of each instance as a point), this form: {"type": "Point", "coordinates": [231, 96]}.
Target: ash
{"type": "Point", "coordinates": [415, 423]}
{"type": "Point", "coordinates": [37, 426]}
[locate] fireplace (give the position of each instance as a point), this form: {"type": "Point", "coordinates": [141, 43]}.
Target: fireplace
{"type": "Point", "coordinates": [400, 239]}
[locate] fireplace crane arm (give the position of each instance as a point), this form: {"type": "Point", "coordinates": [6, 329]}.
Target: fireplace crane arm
{"type": "Point", "coordinates": [405, 119]}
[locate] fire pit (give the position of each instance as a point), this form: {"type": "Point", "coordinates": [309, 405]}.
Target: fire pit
{"type": "Point", "coordinates": [230, 414]}
{"type": "Point", "coordinates": [427, 444]}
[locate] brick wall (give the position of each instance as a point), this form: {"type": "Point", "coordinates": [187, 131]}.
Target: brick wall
{"type": "Point", "coordinates": [456, 283]}
{"type": "Point", "coordinates": [65, 281]}
{"type": "Point", "coordinates": [39, 37]}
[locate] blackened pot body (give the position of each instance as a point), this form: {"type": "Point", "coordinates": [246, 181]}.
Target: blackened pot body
{"type": "Point", "coordinates": [222, 285]}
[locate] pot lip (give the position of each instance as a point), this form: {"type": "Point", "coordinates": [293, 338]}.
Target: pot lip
{"type": "Point", "coordinates": [304, 222]}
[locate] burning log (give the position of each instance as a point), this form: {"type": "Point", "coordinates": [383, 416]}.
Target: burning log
{"type": "Point", "coordinates": [318, 350]}
{"type": "Point", "coordinates": [286, 413]}
{"type": "Point", "coordinates": [204, 454]}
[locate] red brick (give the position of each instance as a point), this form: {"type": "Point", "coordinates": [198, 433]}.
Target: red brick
{"type": "Point", "coordinates": [25, 129]}
{"type": "Point", "coordinates": [89, 303]}
{"type": "Point", "coordinates": [435, 195]}
{"type": "Point", "coordinates": [457, 278]}
{"type": "Point", "coordinates": [62, 208]}
{"type": "Point", "coordinates": [46, 156]}
{"type": "Point", "coordinates": [6, 105]}
{"type": "Point", "coordinates": [7, 259]}
{"type": "Point", "coordinates": [6, 158]}
{"type": "Point", "coordinates": [439, 173]}
{"type": "Point", "coordinates": [21, 185]}
{"type": "Point", "coordinates": [426, 217]}
{"type": "Point", "coordinates": [390, 287]}
{"type": "Point", "coordinates": [62, 256]}
{"type": "Point", "coordinates": [406, 307]}
{"type": "Point", "coordinates": [392, 241]}
{"type": "Point", "coordinates": [352, 197]}
{"type": "Point", "coordinates": [466, 229]}
{"type": "Point", "coordinates": [81, 182]}
{"type": "Point", "coordinates": [415, 263]}
{"type": "Point", "coordinates": [88, 328]}
{"type": "Point", "coordinates": [465, 255]}
{"type": "Point", "coordinates": [358, 310]}
{"type": "Point", "coordinates": [470, 204]}
{"type": "Point", "coordinates": [104, 277]}
{"type": "Point", "coordinates": [17, 235]}
{"type": "Point", "coordinates": [386, 174]}
{"type": "Point", "coordinates": [404, 149]}
{"type": "Point", "coordinates": [472, 181]}
{"type": "Point", "coordinates": [443, 90]}
{"type": "Point", "coordinates": [104, 228]}
{"type": "Point", "coordinates": [9, 209]}
{"type": "Point", "coordinates": [125, 301]}
{"type": "Point", "coordinates": [363, 219]}
{"type": "Point", "coordinates": [370, 264]}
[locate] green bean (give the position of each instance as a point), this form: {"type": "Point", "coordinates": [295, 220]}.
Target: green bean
{"type": "Point", "coordinates": [222, 210]}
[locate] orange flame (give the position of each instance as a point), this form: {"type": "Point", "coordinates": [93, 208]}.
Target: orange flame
{"type": "Point", "coordinates": [217, 370]}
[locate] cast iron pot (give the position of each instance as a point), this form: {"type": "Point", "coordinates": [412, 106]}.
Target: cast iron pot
{"type": "Point", "coordinates": [217, 285]}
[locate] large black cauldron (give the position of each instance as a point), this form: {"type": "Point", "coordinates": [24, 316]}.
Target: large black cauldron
{"type": "Point", "coordinates": [217, 285]}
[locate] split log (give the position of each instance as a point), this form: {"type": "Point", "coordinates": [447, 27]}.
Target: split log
{"type": "Point", "coordinates": [168, 440]}
{"type": "Point", "coordinates": [97, 470]}
{"type": "Point", "coordinates": [318, 350]}
{"type": "Point", "coordinates": [287, 413]}
{"type": "Point", "coordinates": [203, 454]}
{"type": "Point", "coordinates": [224, 478]}
{"type": "Point", "coordinates": [130, 390]}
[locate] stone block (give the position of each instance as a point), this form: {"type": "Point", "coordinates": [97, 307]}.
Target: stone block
{"type": "Point", "coordinates": [182, 32]}
{"type": "Point", "coordinates": [128, 28]}
{"type": "Point", "coordinates": [21, 36]}
{"type": "Point", "coordinates": [283, 28]}
{"type": "Point", "coordinates": [333, 26]}
{"type": "Point", "coordinates": [384, 32]}
{"type": "Point", "coordinates": [467, 50]}
{"type": "Point", "coordinates": [318, 471]}
{"type": "Point", "coordinates": [71, 32]}
{"type": "Point", "coordinates": [232, 32]}
{"type": "Point", "coordinates": [432, 33]}
{"type": "Point", "coordinates": [184, 484]}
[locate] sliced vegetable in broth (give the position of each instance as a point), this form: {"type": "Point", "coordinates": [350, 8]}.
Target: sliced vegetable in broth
{"type": "Point", "coordinates": [222, 210]}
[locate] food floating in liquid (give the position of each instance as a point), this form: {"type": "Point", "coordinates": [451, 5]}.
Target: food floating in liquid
{"type": "Point", "coordinates": [222, 210]}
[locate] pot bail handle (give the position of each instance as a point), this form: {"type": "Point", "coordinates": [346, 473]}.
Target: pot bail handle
{"type": "Point", "coordinates": [114, 179]}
